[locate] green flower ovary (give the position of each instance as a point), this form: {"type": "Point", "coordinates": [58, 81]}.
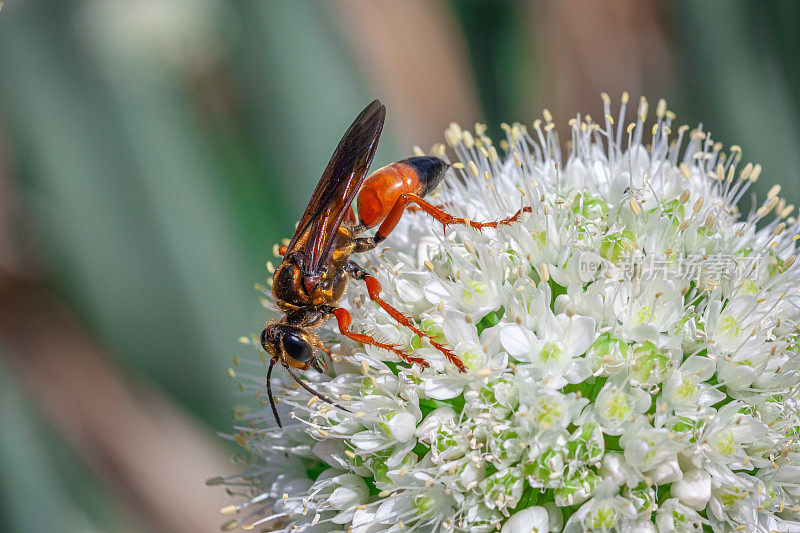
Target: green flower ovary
{"type": "Point", "coordinates": [489, 394]}
{"type": "Point", "coordinates": [675, 210]}
{"type": "Point", "coordinates": [379, 468]}
{"type": "Point", "coordinates": [367, 386]}
{"type": "Point", "coordinates": [748, 287]}
{"type": "Point", "coordinates": [504, 488]}
{"type": "Point", "coordinates": [695, 318]}
{"type": "Point", "coordinates": [730, 495]}
{"type": "Point", "coordinates": [590, 208]}
{"type": "Point", "coordinates": [685, 391]}
{"type": "Point", "coordinates": [603, 517]}
{"type": "Point", "coordinates": [647, 358]}
{"type": "Point", "coordinates": [448, 443]}
{"type": "Point", "coordinates": [546, 469]}
{"type": "Point", "coordinates": [575, 483]}
{"type": "Point", "coordinates": [551, 351]}
{"type": "Point", "coordinates": [644, 314]}
{"type": "Point", "coordinates": [616, 407]}
{"type": "Point", "coordinates": [586, 444]}
{"type": "Point", "coordinates": [385, 425]}
{"type": "Point", "coordinates": [642, 497]}
{"type": "Point", "coordinates": [774, 266]}
{"type": "Point", "coordinates": [609, 348]}
{"type": "Point", "coordinates": [381, 471]}
{"type": "Point", "coordinates": [506, 447]}
{"type": "Point", "coordinates": [614, 245]}
{"type": "Point", "coordinates": [474, 288]}
{"type": "Point", "coordinates": [686, 427]}
{"type": "Point", "coordinates": [730, 325]}
{"type": "Point", "coordinates": [423, 504]}
{"type": "Point", "coordinates": [547, 412]}
{"type": "Point", "coordinates": [471, 359]}
{"type": "Point", "coordinates": [723, 443]}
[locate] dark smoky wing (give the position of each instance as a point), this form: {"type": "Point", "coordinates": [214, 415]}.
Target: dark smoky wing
{"type": "Point", "coordinates": [338, 186]}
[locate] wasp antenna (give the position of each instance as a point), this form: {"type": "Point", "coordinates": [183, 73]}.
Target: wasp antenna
{"type": "Point", "coordinates": [269, 393]}
{"type": "Point", "coordinates": [312, 391]}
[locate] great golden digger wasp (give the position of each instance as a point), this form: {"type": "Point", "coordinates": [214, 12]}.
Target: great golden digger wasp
{"type": "Point", "coordinates": [316, 266]}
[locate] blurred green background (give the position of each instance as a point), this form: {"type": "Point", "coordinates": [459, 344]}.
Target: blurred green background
{"type": "Point", "coordinates": [152, 151]}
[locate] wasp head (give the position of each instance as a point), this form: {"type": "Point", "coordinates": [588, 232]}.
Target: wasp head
{"type": "Point", "coordinates": [290, 345]}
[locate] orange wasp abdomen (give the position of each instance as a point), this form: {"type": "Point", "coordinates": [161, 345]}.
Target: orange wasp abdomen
{"type": "Point", "coordinates": [380, 191]}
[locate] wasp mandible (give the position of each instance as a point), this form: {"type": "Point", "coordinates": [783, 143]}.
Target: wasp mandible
{"type": "Point", "coordinates": [313, 276]}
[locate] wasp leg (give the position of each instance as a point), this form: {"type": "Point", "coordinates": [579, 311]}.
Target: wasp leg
{"type": "Point", "coordinates": [416, 208]}
{"type": "Point", "coordinates": [322, 359]}
{"type": "Point", "coordinates": [443, 217]}
{"type": "Point", "coordinates": [344, 320]}
{"type": "Point", "coordinates": [279, 250]}
{"type": "Point", "coordinates": [374, 290]}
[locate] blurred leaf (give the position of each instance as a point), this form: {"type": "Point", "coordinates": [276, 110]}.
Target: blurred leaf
{"type": "Point", "coordinates": [127, 209]}
{"type": "Point", "coordinates": [783, 16]}
{"type": "Point", "coordinates": [501, 55]}
{"type": "Point", "coordinates": [734, 85]}
{"type": "Point", "coordinates": [42, 486]}
{"type": "Point", "coordinates": [301, 90]}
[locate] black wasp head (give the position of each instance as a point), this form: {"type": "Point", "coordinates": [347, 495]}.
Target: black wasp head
{"type": "Point", "coordinates": [289, 344]}
{"type": "Point", "coordinates": [296, 347]}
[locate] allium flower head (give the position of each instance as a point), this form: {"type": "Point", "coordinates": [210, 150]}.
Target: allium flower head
{"type": "Point", "coordinates": [631, 344]}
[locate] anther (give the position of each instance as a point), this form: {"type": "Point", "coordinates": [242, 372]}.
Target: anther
{"type": "Point", "coordinates": [544, 272]}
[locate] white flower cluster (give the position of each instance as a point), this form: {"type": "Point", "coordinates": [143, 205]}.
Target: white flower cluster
{"type": "Point", "coordinates": [593, 401]}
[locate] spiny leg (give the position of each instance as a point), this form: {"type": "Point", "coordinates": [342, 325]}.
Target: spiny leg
{"type": "Point", "coordinates": [416, 208]}
{"type": "Point", "coordinates": [328, 353]}
{"type": "Point", "coordinates": [319, 363]}
{"type": "Point", "coordinates": [443, 217]}
{"type": "Point", "coordinates": [344, 319]}
{"type": "Point", "coordinates": [374, 290]}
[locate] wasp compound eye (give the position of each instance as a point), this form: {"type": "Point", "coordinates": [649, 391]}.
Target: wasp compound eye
{"type": "Point", "coordinates": [264, 338]}
{"type": "Point", "coordinates": [297, 348]}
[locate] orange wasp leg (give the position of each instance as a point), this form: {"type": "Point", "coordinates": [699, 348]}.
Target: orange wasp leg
{"type": "Point", "coordinates": [322, 359]}
{"type": "Point", "coordinates": [443, 217]}
{"type": "Point", "coordinates": [374, 289]}
{"type": "Point", "coordinates": [344, 319]}
{"type": "Point", "coordinates": [416, 208]}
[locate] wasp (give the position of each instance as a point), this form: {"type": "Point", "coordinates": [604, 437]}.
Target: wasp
{"type": "Point", "coordinates": [317, 266]}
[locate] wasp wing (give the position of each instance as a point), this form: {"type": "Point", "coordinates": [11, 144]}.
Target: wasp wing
{"type": "Point", "coordinates": [335, 191]}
